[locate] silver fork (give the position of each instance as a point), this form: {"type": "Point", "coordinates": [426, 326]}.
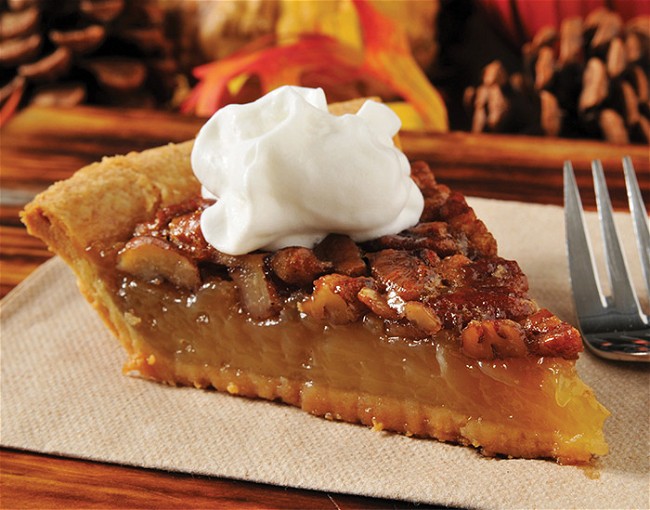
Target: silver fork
{"type": "Point", "coordinates": [613, 326]}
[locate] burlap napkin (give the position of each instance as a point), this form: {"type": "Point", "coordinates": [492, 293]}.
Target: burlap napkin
{"type": "Point", "coordinates": [63, 393]}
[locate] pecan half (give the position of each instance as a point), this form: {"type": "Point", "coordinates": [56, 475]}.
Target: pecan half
{"type": "Point", "coordinates": [403, 273]}
{"type": "Point", "coordinates": [298, 266]}
{"type": "Point", "coordinates": [549, 336]}
{"type": "Point", "coordinates": [489, 339]}
{"type": "Point", "coordinates": [150, 258]}
{"type": "Point", "coordinates": [257, 293]}
{"type": "Point", "coordinates": [343, 253]}
{"type": "Point", "coordinates": [335, 299]}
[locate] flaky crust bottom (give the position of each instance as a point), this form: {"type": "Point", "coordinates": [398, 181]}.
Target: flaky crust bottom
{"type": "Point", "coordinates": [382, 413]}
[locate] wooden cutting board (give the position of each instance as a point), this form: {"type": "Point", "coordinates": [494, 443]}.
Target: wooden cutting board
{"type": "Point", "coordinates": [42, 145]}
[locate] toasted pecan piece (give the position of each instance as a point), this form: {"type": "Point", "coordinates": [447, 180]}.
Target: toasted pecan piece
{"type": "Point", "coordinates": [180, 224]}
{"type": "Point", "coordinates": [404, 274]}
{"type": "Point", "coordinates": [424, 178]}
{"type": "Point", "coordinates": [185, 232]}
{"type": "Point", "coordinates": [549, 336]}
{"type": "Point", "coordinates": [423, 317]}
{"type": "Point", "coordinates": [435, 194]}
{"type": "Point", "coordinates": [344, 254]}
{"type": "Point", "coordinates": [380, 304]}
{"type": "Point", "coordinates": [258, 295]}
{"type": "Point", "coordinates": [461, 217]}
{"type": "Point", "coordinates": [335, 299]}
{"type": "Point", "coordinates": [298, 266]}
{"type": "Point", "coordinates": [158, 225]}
{"type": "Point", "coordinates": [487, 273]}
{"type": "Point", "coordinates": [457, 308]}
{"type": "Point", "coordinates": [150, 258]}
{"type": "Point", "coordinates": [489, 339]}
{"type": "Point", "coordinates": [433, 235]}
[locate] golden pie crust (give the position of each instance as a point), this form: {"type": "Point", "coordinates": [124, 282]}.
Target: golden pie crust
{"type": "Point", "coordinates": [431, 334]}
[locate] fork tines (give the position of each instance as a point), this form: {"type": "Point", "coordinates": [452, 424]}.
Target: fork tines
{"type": "Point", "coordinates": [614, 326]}
{"type": "Point", "coordinates": [639, 217]}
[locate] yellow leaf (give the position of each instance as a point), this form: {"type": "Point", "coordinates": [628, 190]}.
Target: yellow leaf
{"type": "Point", "coordinates": [388, 56]}
{"type": "Point", "coordinates": [411, 120]}
{"type": "Point", "coordinates": [365, 47]}
{"type": "Point", "coordinates": [334, 18]}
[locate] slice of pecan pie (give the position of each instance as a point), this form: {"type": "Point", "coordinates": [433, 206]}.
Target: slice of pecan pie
{"type": "Point", "coordinates": [427, 332]}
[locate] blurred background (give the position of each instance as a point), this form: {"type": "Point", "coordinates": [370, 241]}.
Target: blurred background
{"type": "Point", "coordinates": [559, 68]}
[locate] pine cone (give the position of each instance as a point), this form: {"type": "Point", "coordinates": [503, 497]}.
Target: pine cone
{"type": "Point", "coordinates": [67, 52]}
{"type": "Point", "coordinates": [589, 80]}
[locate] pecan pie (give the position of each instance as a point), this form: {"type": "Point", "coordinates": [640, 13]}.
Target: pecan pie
{"type": "Point", "coordinates": [427, 332]}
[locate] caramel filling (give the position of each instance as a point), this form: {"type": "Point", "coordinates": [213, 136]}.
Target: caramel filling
{"type": "Point", "coordinates": [443, 274]}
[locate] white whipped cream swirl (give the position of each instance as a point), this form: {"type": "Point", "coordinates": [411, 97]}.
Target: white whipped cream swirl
{"type": "Point", "coordinates": [286, 172]}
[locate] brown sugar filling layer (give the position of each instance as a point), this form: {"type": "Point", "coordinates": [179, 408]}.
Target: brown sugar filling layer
{"type": "Point", "coordinates": [355, 373]}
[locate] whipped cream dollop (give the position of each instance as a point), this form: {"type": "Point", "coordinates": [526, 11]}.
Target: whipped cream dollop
{"type": "Point", "coordinates": [286, 172]}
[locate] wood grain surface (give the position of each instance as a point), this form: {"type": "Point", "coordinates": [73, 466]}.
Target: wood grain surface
{"type": "Point", "coordinates": [42, 145]}
{"type": "Point", "coordinates": [31, 480]}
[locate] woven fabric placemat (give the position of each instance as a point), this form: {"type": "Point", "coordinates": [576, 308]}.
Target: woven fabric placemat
{"type": "Point", "coordinates": [63, 392]}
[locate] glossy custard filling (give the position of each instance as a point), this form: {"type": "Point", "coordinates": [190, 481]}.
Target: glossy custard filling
{"type": "Point", "coordinates": [205, 335]}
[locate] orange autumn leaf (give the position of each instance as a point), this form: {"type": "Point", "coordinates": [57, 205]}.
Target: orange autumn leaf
{"type": "Point", "coordinates": [386, 58]}
{"type": "Point", "coordinates": [389, 58]}
{"type": "Point", "coordinates": [274, 66]}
